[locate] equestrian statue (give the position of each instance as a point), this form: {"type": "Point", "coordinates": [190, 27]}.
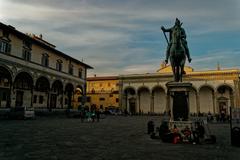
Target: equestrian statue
{"type": "Point", "coordinates": [177, 49]}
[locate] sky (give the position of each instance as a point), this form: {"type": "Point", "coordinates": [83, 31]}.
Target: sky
{"type": "Point", "coordinates": [119, 37]}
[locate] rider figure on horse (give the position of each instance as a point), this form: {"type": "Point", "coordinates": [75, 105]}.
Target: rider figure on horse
{"type": "Point", "coordinates": [183, 39]}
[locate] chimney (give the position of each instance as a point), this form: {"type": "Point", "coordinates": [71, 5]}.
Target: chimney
{"type": "Point", "coordinates": [40, 36]}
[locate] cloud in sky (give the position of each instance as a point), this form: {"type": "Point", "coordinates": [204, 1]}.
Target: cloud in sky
{"type": "Point", "coordinates": [122, 37]}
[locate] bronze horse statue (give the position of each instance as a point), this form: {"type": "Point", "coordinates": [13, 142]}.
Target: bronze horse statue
{"type": "Point", "coordinates": [177, 54]}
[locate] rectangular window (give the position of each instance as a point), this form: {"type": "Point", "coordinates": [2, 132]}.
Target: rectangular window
{"type": "Point", "coordinates": [35, 99]}
{"type": "Point", "coordinates": [117, 100]}
{"type": "Point", "coordinates": [80, 73]}
{"type": "Point", "coordinates": [4, 96]}
{"type": "Point", "coordinates": [45, 60]}
{"type": "Point", "coordinates": [40, 99]}
{"type": "Point", "coordinates": [111, 95]}
{"type": "Point", "coordinates": [5, 47]}
{"type": "Point", "coordinates": [59, 65]}
{"type": "Point", "coordinates": [101, 99]}
{"type": "Point", "coordinates": [115, 92]}
{"type": "Point", "coordinates": [26, 55]}
{"type": "Point", "coordinates": [70, 71]}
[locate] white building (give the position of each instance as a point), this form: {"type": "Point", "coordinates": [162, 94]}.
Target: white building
{"type": "Point", "coordinates": [34, 73]}
{"type": "Point", "coordinates": [212, 91]}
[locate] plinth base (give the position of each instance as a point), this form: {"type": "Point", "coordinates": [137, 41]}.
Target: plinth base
{"type": "Point", "coordinates": [178, 93]}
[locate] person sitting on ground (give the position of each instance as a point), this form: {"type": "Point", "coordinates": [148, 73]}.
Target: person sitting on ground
{"type": "Point", "coordinates": [187, 134]}
{"type": "Point", "coordinates": [164, 132]}
{"type": "Point", "coordinates": [176, 135]}
{"type": "Point", "coordinates": [198, 133]}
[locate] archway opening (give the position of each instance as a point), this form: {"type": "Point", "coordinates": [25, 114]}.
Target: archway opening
{"type": "Point", "coordinates": [130, 100]}
{"type": "Point", "coordinates": [23, 85]}
{"type": "Point", "coordinates": [206, 97]}
{"type": "Point", "coordinates": [144, 100]}
{"type": "Point", "coordinates": [5, 85]}
{"type": "Point", "coordinates": [159, 100]}
{"type": "Point", "coordinates": [69, 91]}
{"type": "Point", "coordinates": [56, 97]}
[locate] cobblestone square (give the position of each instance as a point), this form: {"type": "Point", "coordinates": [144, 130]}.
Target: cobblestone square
{"type": "Point", "coordinates": [115, 137]}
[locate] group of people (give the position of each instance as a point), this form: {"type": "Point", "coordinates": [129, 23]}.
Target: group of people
{"type": "Point", "coordinates": [175, 135]}
{"type": "Point", "coordinates": [89, 115]}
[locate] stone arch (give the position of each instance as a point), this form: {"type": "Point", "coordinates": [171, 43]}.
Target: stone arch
{"type": "Point", "coordinates": [57, 87]}
{"type": "Point", "coordinates": [69, 91]}
{"type": "Point", "coordinates": [228, 86]}
{"type": "Point", "coordinates": [143, 88]}
{"type": "Point", "coordinates": [56, 96]}
{"type": "Point", "coordinates": [206, 85]}
{"type": "Point", "coordinates": [158, 99]}
{"type": "Point", "coordinates": [41, 92]}
{"type": "Point", "coordinates": [23, 86]}
{"type": "Point", "coordinates": [79, 98]}
{"type": "Point", "coordinates": [6, 72]}
{"type": "Point", "coordinates": [5, 86]}
{"type": "Point", "coordinates": [129, 99]}
{"type": "Point", "coordinates": [79, 89]}
{"type": "Point", "coordinates": [144, 99]}
{"type": "Point", "coordinates": [23, 80]}
{"type": "Point", "coordinates": [206, 99]}
{"type": "Point", "coordinates": [129, 90]}
{"type": "Point", "coordinates": [42, 84]}
{"type": "Point", "coordinates": [69, 87]}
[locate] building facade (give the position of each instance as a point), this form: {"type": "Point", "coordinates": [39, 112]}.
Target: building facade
{"type": "Point", "coordinates": [33, 73]}
{"type": "Point", "coordinates": [212, 91]}
{"type": "Point", "coordinates": [103, 92]}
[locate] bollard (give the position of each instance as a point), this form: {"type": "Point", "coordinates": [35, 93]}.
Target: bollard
{"type": "Point", "coordinates": [235, 136]}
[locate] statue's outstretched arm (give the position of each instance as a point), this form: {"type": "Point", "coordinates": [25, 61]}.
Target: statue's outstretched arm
{"type": "Point", "coordinates": [166, 29]}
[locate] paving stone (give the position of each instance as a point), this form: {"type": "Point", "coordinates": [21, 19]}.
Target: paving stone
{"type": "Point", "coordinates": [115, 137]}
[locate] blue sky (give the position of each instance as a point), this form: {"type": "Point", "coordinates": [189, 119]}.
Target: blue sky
{"type": "Point", "coordinates": [124, 36]}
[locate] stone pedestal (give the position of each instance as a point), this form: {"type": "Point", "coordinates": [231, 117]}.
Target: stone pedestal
{"type": "Point", "coordinates": [178, 97]}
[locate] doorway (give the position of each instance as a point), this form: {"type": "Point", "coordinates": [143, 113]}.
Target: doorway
{"type": "Point", "coordinates": [132, 106]}
{"type": "Point", "coordinates": [53, 101]}
{"type": "Point", "coordinates": [19, 98]}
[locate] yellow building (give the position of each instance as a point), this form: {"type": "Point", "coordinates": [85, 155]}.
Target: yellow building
{"type": "Point", "coordinates": [103, 92]}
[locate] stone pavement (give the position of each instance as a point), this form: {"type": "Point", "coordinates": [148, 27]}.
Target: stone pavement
{"type": "Point", "coordinates": [119, 137]}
